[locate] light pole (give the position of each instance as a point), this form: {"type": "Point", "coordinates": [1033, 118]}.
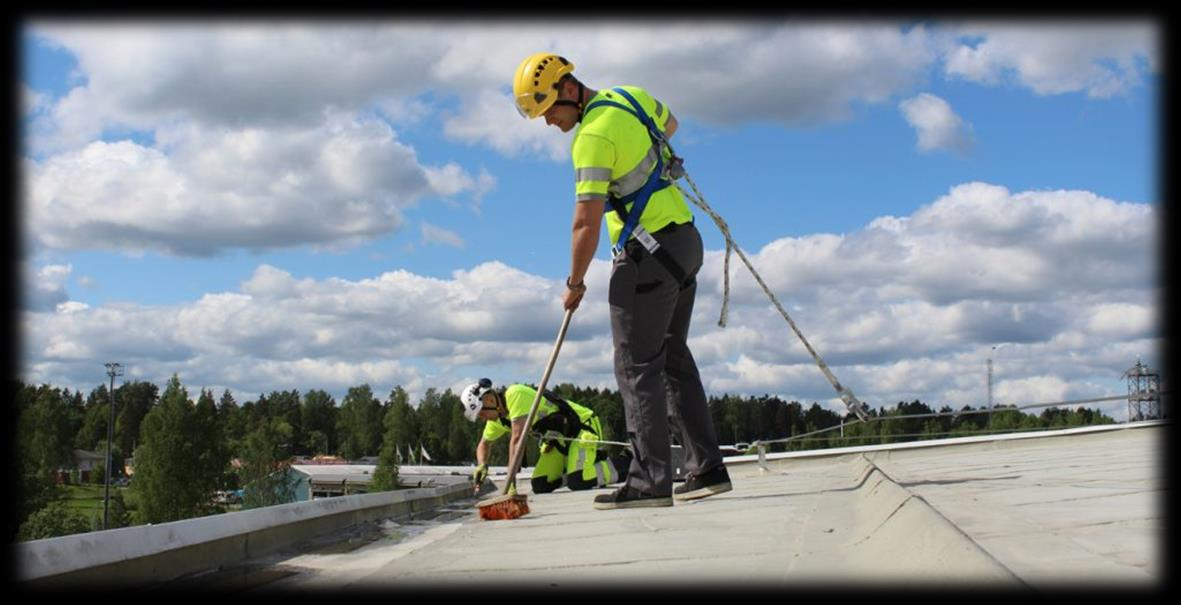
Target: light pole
{"type": "Point", "coordinates": [113, 370]}
{"type": "Point", "coordinates": [990, 356]}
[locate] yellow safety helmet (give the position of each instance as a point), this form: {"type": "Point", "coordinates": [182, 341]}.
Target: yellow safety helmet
{"type": "Point", "coordinates": [536, 83]}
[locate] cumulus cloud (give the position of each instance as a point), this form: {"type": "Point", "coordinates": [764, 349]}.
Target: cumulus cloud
{"type": "Point", "coordinates": [45, 287]}
{"type": "Point", "coordinates": [152, 149]}
{"type": "Point", "coordinates": [202, 191]}
{"type": "Point", "coordinates": [1100, 59]}
{"type": "Point", "coordinates": [938, 127]}
{"type": "Point", "coordinates": [906, 308]}
{"type": "Point", "coordinates": [138, 77]}
{"type": "Point", "coordinates": [232, 74]}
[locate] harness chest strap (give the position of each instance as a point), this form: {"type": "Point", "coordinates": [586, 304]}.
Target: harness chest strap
{"type": "Point", "coordinates": [639, 198]}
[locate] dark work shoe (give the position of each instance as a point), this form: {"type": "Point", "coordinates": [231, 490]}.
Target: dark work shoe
{"type": "Point", "coordinates": [628, 497]}
{"type": "Point", "coordinates": [716, 481]}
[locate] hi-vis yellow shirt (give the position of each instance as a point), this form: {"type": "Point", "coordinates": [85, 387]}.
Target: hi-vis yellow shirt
{"type": "Point", "coordinates": [613, 153]}
{"type": "Point", "coordinates": [518, 398]}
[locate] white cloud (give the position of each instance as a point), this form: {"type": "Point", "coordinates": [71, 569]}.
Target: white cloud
{"type": "Point", "coordinates": [143, 77]}
{"type": "Point", "coordinates": [1101, 59]}
{"type": "Point", "coordinates": [438, 235]}
{"type": "Point", "coordinates": [490, 119]}
{"type": "Point", "coordinates": [907, 308]}
{"type": "Point", "coordinates": [45, 286]}
{"type": "Point", "coordinates": [938, 126]}
{"type": "Point", "coordinates": [202, 191]}
{"type": "Point", "coordinates": [32, 101]}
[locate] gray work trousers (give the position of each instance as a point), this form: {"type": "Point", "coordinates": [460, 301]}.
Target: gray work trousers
{"type": "Point", "coordinates": [656, 373]}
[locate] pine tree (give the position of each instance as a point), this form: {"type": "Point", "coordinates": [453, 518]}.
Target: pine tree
{"type": "Point", "coordinates": [385, 477]}
{"type": "Point", "coordinates": [357, 425]}
{"type": "Point", "coordinates": [319, 414]}
{"type": "Point", "coordinates": [171, 482]}
{"type": "Point", "coordinates": [209, 445]}
{"type": "Point", "coordinates": [460, 436]}
{"type": "Point", "coordinates": [402, 420]}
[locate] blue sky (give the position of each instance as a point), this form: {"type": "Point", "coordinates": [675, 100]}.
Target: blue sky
{"type": "Point", "coordinates": [915, 196]}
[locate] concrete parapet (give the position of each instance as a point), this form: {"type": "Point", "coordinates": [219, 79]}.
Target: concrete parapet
{"type": "Point", "coordinates": [138, 556]}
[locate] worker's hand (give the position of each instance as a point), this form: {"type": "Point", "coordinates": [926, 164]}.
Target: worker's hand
{"type": "Point", "coordinates": [480, 474]}
{"type": "Point", "coordinates": [573, 295]}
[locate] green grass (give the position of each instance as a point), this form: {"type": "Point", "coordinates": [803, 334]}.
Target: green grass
{"type": "Point", "coordinates": [88, 499]}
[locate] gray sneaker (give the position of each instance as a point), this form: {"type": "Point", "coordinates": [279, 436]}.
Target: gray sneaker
{"type": "Point", "coordinates": [628, 497]}
{"type": "Point", "coordinates": [716, 481]}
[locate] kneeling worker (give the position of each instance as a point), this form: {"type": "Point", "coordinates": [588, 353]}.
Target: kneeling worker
{"type": "Point", "coordinates": [577, 464]}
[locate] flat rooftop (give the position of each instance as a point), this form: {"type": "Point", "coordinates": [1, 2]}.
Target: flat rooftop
{"type": "Point", "coordinates": [1072, 508]}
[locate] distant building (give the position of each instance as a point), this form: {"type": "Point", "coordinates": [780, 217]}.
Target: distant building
{"type": "Point", "coordinates": [84, 462]}
{"type": "Point", "coordinates": [326, 480]}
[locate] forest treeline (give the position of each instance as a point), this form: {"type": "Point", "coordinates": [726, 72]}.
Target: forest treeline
{"type": "Point", "coordinates": [186, 449]}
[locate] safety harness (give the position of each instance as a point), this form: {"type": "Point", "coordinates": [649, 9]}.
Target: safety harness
{"type": "Point", "coordinates": [639, 198]}
{"type": "Point", "coordinates": [565, 421]}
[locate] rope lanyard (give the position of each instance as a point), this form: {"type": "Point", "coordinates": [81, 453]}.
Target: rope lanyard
{"type": "Point", "coordinates": [658, 179]}
{"type": "Point", "coordinates": [851, 402]}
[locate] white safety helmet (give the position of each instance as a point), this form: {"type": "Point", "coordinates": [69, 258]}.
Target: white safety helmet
{"type": "Point", "coordinates": [472, 405]}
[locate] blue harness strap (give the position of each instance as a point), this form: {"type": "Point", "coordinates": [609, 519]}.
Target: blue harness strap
{"type": "Point", "coordinates": [638, 198]}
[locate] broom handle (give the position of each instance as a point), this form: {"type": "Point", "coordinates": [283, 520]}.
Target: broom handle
{"type": "Point", "coordinates": [519, 454]}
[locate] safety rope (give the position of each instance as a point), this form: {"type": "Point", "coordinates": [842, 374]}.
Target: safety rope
{"type": "Point", "coordinates": [851, 401]}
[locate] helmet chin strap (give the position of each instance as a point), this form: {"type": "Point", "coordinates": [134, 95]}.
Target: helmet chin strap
{"type": "Point", "coordinates": [576, 104]}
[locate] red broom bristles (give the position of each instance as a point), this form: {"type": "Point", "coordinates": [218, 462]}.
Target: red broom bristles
{"type": "Point", "coordinates": [512, 508]}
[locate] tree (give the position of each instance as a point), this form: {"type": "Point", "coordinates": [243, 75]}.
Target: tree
{"type": "Point", "coordinates": [118, 515]}
{"type": "Point", "coordinates": [460, 445]}
{"type": "Point", "coordinates": [45, 430]}
{"type": "Point", "coordinates": [94, 422]}
{"type": "Point", "coordinates": [357, 425]}
{"type": "Point", "coordinates": [212, 452]}
{"type": "Point", "coordinates": [286, 405]}
{"type": "Point", "coordinates": [318, 414]}
{"type": "Point", "coordinates": [34, 485]}
{"type": "Point", "coordinates": [55, 519]}
{"type": "Point", "coordinates": [266, 465]}
{"type": "Point", "coordinates": [401, 421]}
{"type": "Point", "coordinates": [133, 401]}
{"type": "Point", "coordinates": [234, 421]}
{"type": "Point", "coordinates": [172, 480]}
{"type": "Point", "coordinates": [430, 408]}
{"type": "Point", "coordinates": [385, 477]}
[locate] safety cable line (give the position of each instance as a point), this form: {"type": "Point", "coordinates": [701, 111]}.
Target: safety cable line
{"type": "Point", "coordinates": [763, 442]}
{"type": "Point", "coordinates": [938, 414]}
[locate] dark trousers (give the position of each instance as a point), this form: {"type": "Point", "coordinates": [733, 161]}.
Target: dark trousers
{"type": "Point", "coordinates": [656, 373]}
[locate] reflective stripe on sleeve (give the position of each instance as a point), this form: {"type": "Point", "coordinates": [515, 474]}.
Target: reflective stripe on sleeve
{"type": "Point", "coordinates": [592, 174]}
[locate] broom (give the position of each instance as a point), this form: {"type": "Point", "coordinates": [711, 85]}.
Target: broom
{"type": "Point", "coordinates": [510, 505]}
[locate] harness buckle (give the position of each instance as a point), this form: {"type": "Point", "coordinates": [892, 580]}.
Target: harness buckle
{"type": "Point", "coordinates": [675, 169]}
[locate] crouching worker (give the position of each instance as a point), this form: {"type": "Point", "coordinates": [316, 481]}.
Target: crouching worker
{"type": "Point", "coordinates": [577, 464]}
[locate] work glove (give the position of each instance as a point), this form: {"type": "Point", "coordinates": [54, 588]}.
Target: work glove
{"type": "Point", "coordinates": [480, 474]}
